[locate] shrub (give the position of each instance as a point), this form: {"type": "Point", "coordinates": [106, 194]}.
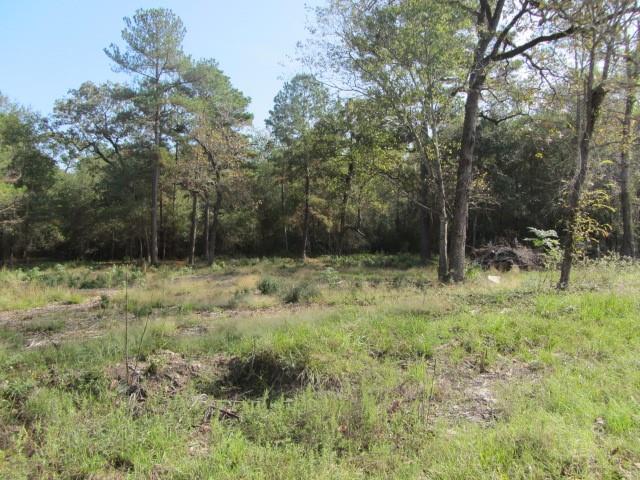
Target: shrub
{"type": "Point", "coordinates": [331, 276]}
{"type": "Point", "coordinates": [268, 286]}
{"type": "Point", "coordinates": [239, 297]}
{"type": "Point", "coordinates": [303, 292]}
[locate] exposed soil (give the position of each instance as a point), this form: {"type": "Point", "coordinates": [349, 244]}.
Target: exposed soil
{"type": "Point", "coordinates": [10, 317]}
{"type": "Point", "coordinates": [76, 321]}
{"type": "Point", "coordinates": [57, 323]}
{"type": "Point", "coordinates": [162, 373]}
{"type": "Point", "coordinates": [471, 390]}
{"type": "Point", "coordinates": [467, 390]}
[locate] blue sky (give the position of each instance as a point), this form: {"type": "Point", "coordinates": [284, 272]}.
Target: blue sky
{"type": "Point", "coordinates": [50, 46]}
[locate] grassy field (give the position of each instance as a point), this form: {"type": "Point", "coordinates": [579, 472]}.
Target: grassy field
{"type": "Point", "coordinates": [343, 368]}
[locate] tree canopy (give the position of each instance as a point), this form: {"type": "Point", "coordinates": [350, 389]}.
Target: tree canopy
{"type": "Point", "coordinates": [423, 126]}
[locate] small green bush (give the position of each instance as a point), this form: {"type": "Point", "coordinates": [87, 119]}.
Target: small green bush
{"type": "Point", "coordinates": [301, 293]}
{"type": "Point", "coordinates": [268, 286]}
{"type": "Point", "coordinates": [331, 276]}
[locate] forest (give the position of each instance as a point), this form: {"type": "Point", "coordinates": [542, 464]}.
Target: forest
{"type": "Point", "coordinates": [424, 265]}
{"type": "Point", "coordinates": [417, 126]}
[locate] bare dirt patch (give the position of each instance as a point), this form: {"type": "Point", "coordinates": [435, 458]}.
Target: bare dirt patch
{"type": "Point", "coordinates": [162, 373]}
{"type": "Point", "coordinates": [55, 328]}
{"type": "Point", "coordinates": [471, 390]}
{"type": "Point", "coordinates": [10, 317]}
{"type": "Point", "coordinates": [55, 323]}
{"type": "Point", "coordinates": [467, 390]}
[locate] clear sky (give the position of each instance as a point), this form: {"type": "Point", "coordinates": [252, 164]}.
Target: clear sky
{"type": "Point", "coordinates": [50, 46]}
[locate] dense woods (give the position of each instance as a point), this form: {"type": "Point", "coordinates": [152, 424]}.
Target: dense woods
{"type": "Point", "coordinates": [419, 261]}
{"type": "Point", "coordinates": [417, 125]}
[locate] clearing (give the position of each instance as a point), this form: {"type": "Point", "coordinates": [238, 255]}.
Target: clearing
{"type": "Point", "coordinates": [340, 368]}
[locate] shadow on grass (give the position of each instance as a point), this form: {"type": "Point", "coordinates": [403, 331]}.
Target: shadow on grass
{"type": "Point", "coordinates": [256, 376]}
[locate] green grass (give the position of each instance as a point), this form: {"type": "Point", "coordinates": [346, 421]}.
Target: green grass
{"type": "Point", "coordinates": [380, 373]}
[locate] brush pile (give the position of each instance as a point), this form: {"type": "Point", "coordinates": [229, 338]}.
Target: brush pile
{"type": "Point", "coordinates": [505, 257]}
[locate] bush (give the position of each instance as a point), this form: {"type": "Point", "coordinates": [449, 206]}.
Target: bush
{"type": "Point", "coordinates": [268, 286]}
{"type": "Point", "coordinates": [303, 292]}
{"type": "Point", "coordinates": [238, 299]}
{"type": "Point", "coordinates": [331, 276]}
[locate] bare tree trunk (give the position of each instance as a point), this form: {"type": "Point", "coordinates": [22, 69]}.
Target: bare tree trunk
{"type": "Point", "coordinates": [147, 242]}
{"type": "Point", "coordinates": [194, 230]}
{"type": "Point", "coordinates": [163, 228]}
{"type": "Point", "coordinates": [626, 210]}
{"type": "Point", "coordinates": [345, 204]}
{"type": "Point", "coordinates": [206, 225]}
{"type": "Point", "coordinates": [443, 231]}
{"type": "Point", "coordinates": [474, 231]}
{"type": "Point", "coordinates": [283, 209]}
{"type": "Point", "coordinates": [305, 221]}
{"type": "Point", "coordinates": [464, 177]}
{"type": "Point", "coordinates": [628, 244]}
{"type": "Point", "coordinates": [213, 237]}
{"type": "Point", "coordinates": [3, 246]}
{"type": "Point", "coordinates": [425, 223]}
{"type": "Point", "coordinates": [592, 102]}
{"type": "Point", "coordinates": [398, 223]}
{"type": "Point", "coordinates": [155, 185]}
{"type": "Point", "coordinates": [25, 229]}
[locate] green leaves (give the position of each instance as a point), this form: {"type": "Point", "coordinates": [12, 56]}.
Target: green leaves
{"type": "Point", "coordinates": [153, 39]}
{"type": "Point", "coordinates": [300, 104]}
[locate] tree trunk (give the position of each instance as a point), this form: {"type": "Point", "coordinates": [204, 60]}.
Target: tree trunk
{"type": "Point", "coordinates": [155, 185]}
{"type": "Point", "coordinates": [397, 221]}
{"type": "Point", "coordinates": [305, 221]}
{"type": "Point", "coordinates": [464, 177]}
{"type": "Point", "coordinates": [25, 229]}
{"type": "Point", "coordinates": [345, 204]}
{"type": "Point", "coordinates": [441, 197]}
{"type": "Point", "coordinates": [206, 225]}
{"type": "Point", "coordinates": [4, 247]}
{"type": "Point", "coordinates": [425, 224]}
{"type": "Point", "coordinates": [626, 210]}
{"type": "Point", "coordinates": [213, 237]}
{"type": "Point", "coordinates": [283, 209]}
{"type": "Point", "coordinates": [163, 228]}
{"type": "Point", "coordinates": [593, 101]}
{"type": "Point", "coordinates": [194, 230]}
{"type": "Point", "coordinates": [147, 242]}
{"type": "Point", "coordinates": [487, 25]}
{"type": "Point", "coordinates": [474, 231]}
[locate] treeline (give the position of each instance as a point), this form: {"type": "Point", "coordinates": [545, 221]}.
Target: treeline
{"type": "Point", "coordinates": [427, 126]}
